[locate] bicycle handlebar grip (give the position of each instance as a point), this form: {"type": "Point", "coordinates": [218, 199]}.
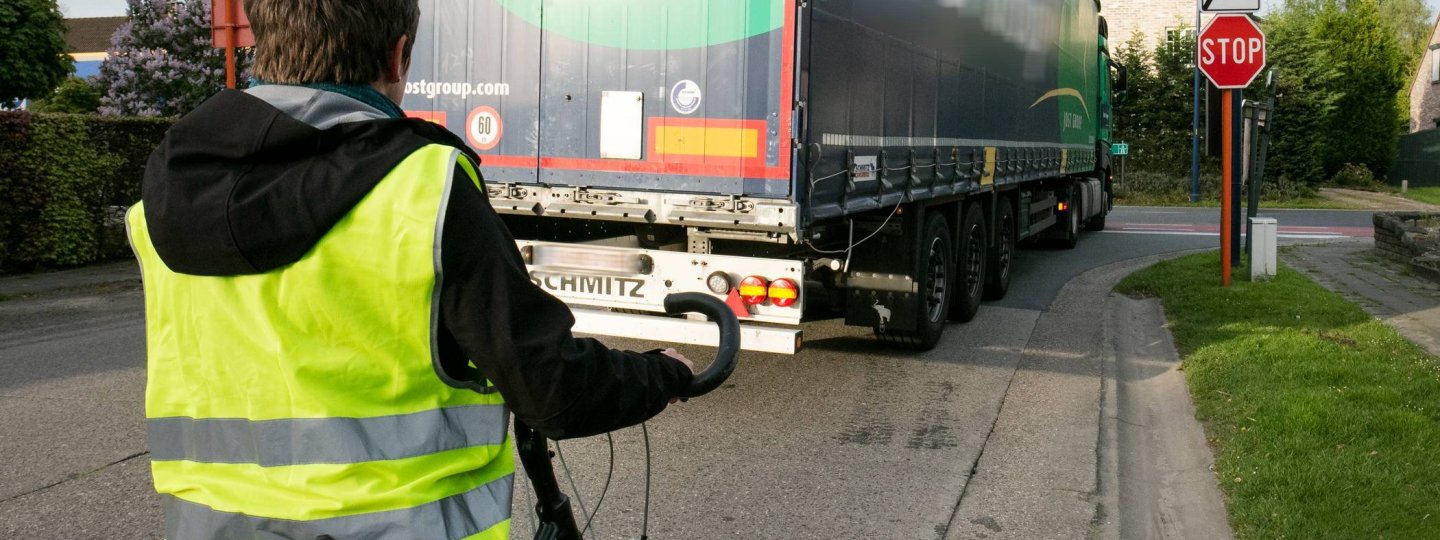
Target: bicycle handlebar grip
{"type": "Point", "coordinates": [729, 347]}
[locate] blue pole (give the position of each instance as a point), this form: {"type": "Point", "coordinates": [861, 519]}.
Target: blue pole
{"type": "Point", "coordinates": [1195, 123]}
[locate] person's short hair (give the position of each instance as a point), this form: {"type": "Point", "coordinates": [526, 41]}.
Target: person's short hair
{"type": "Point", "coordinates": [328, 41]}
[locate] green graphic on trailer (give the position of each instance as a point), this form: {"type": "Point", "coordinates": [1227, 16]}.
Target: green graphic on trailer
{"type": "Point", "coordinates": [651, 24]}
{"type": "Point", "coordinates": [1078, 77]}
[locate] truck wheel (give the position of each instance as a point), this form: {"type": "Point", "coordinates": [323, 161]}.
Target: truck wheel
{"type": "Point", "coordinates": [1097, 223]}
{"type": "Point", "coordinates": [936, 273]}
{"type": "Point", "coordinates": [1071, 233]}
{"type": "Point", "coordinates": [997, 279]}
{"type": "Point", "coordinates": [974, 261]}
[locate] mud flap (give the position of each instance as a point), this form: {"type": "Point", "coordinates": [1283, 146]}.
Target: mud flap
{"type": "Point", "coordinates": [887, 310]}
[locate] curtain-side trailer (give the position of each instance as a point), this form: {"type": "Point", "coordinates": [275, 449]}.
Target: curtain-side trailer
{"type": "Point", "coordinates": [872, 159]}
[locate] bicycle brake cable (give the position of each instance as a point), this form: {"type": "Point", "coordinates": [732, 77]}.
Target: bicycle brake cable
{"type": "Point", "coordinates": [573, 488]}
{"type": "Point", "coordinates": [645, 523]}
{"type": "Point", "coordinates": [610, 438]}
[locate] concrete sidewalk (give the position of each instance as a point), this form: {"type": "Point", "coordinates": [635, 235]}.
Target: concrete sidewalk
{"type": "Point", "coordinates": [1384, 288]}
{"type": "Point", "coordinates": [89, 276]}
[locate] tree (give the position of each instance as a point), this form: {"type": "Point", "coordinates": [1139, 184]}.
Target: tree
{"type": "Point", "coordinates": [1157, 114]}
{"type": "Point", "coordinates": [1365, 125]}
{"type": "Point", "coordinates": [1410, 21]}
{"type": "Point", "coordinates": [161, 61]}
{"type": "Point", "coordinates": [33, 55]}
{"type": "Point", "coordinates": [1341, 64]}
{"type": "Point", "coordinates": [1308, 96]}
{"type": "Point", "coordinates": [73, 96]}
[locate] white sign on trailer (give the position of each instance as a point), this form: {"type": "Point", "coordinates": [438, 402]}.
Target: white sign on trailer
{"type": "Point", "coordinates": [1230, 6]}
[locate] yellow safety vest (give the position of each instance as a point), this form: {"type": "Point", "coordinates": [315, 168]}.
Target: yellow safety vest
{"type": "Point", "coordinates": [308, 401]}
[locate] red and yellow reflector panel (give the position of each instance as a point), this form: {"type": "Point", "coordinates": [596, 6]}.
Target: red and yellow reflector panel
{"type": "Point", "coordinates": [784, 292]}
{"type": "Point", "coordinates": [754, 290]}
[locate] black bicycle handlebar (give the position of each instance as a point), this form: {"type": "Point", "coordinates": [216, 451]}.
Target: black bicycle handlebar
{"type": "Point", "coordinates": [729, 346]}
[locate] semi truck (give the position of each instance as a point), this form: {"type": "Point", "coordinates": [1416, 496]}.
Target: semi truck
{"type": "Point", "coordinates": [876, 160]}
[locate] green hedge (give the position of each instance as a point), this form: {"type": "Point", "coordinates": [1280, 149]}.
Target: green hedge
{"type": "Point", "coordinates": [65, 181]}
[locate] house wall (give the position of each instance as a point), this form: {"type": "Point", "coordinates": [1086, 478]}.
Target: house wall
{"type": "Point", "coordinates": [1424, 94]}
{"type": "Point", "coordinates": [1151, 17]}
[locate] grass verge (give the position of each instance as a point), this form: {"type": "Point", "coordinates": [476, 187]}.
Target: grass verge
{"type": "Point", "coordinates": [1429, 195]}
{"type": "Point", "coordinates": [1325, 422]}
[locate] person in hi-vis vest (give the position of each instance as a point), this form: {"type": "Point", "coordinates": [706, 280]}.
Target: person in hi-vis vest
{"type": "Point", "coordinates": [338, 324]}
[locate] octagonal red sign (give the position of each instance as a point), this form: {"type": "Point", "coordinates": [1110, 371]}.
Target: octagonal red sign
{"type": "Point", "coordinates": [1231, 51]}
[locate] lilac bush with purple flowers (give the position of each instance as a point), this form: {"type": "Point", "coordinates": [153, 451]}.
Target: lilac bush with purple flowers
{"type": "Point", "coordinates": [161, 61]}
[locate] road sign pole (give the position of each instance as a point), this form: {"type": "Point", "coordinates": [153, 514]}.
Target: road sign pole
{"type": "Point", "coordinates": [1236, 151]}
{"type": "Point", "coordinates": [1195, 121]}
{"type": "Point", "coordinates": [1226, 170]}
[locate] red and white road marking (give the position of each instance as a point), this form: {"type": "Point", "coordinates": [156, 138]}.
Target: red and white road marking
{"type": "Point", "coordinates": [1286, 232]}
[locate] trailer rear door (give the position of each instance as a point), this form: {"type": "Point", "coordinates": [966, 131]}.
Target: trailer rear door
{"type": "Point", "coordinates": [686, 96]}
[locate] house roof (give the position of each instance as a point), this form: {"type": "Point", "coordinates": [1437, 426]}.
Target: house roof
{"type": "Point", "coordinates": [1420, 78]}
{"type": "Point", "coordinates": [90, 34]}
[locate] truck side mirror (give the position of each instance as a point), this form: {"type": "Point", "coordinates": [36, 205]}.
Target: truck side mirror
{"type": "Point", "coordinates": [1122, 83]}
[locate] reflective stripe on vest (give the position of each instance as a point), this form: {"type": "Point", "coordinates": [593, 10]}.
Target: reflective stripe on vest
{"type": "Point", "coordinates": [308, 400]}
{"type": "Point", "coordinates": [452, 517]}
{"type": "Point", "coordinates": [305, 441]}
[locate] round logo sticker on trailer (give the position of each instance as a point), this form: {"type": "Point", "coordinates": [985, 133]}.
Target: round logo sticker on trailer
{"type": "Point", "coordinates": [686, 97]}
{"type": "Point", "coordinates": [484, 128]}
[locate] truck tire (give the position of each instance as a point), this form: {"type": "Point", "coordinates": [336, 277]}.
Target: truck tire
{"type": "Point", "coordinates": [997, 275]}
{"type": "Point", "coordinates": [1097, 223]}
{"type": "Point", "coordinates": [973, 265]}
{"type": "Point", "coordinates": [935, 270]}
{"type": "Point", "coordinates": [1070, 233]}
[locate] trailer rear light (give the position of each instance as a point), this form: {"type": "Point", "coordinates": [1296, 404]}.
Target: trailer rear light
{"type": "Point", "coordinates": [754, 290]}
{"type": "Point", "coordinates": [784, 293]}
{"type": "Point", "coordinates": [1063, 206]}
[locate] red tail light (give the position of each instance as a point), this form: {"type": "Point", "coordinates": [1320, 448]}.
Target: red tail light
{"type": "Point", "coordinates": [784, 292]}
{"type": "Point", "coordinates": [754, 290]}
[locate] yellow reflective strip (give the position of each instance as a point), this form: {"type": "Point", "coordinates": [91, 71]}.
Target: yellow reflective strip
{"type": "Point", "coordinates": [988, 177]}
{"type": "Point", "coordinates": [752, 291]}
{"type": "Point", "coordinates": [310, 492]}
{"type": "Point", "coordinates": [707, 141]}
{"type": "Point", "coordinates": [1064, 159]}
{"type": "Point", "coordinates": [782, 293]}
{"type": "Point", "coordinates": [501, 531]}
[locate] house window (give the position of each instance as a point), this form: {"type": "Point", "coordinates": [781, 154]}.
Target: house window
{"type": "Point", "coordinates": [1175, 34]}
{"type": "Point", "coordinates": [1435, 64]}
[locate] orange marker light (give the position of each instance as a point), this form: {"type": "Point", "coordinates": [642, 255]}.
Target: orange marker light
{"type": "Point", "coordinates": [1063, 206]}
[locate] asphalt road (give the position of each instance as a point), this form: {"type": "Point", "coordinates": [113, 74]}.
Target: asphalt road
{"type": "Point", "coordinates": [1000, 432]}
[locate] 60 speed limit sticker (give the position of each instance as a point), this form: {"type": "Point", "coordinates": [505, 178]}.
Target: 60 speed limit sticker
{"type": "Point", "coordinates": [483, 128]}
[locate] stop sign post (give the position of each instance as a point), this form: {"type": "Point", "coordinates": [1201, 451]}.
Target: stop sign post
{"type": "Point", "coordinates": [1231, 53]}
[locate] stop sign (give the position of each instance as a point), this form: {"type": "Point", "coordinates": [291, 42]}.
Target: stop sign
{"type": "Point", "coordinates": [1231, 51]}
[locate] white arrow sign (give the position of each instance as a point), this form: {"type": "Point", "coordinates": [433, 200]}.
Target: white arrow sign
{"type": "Point", "coordinates": [1230, 6]}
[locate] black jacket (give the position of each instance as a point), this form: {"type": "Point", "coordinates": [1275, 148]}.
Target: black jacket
{"type": "Point", "coordinates": [240, 187]}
